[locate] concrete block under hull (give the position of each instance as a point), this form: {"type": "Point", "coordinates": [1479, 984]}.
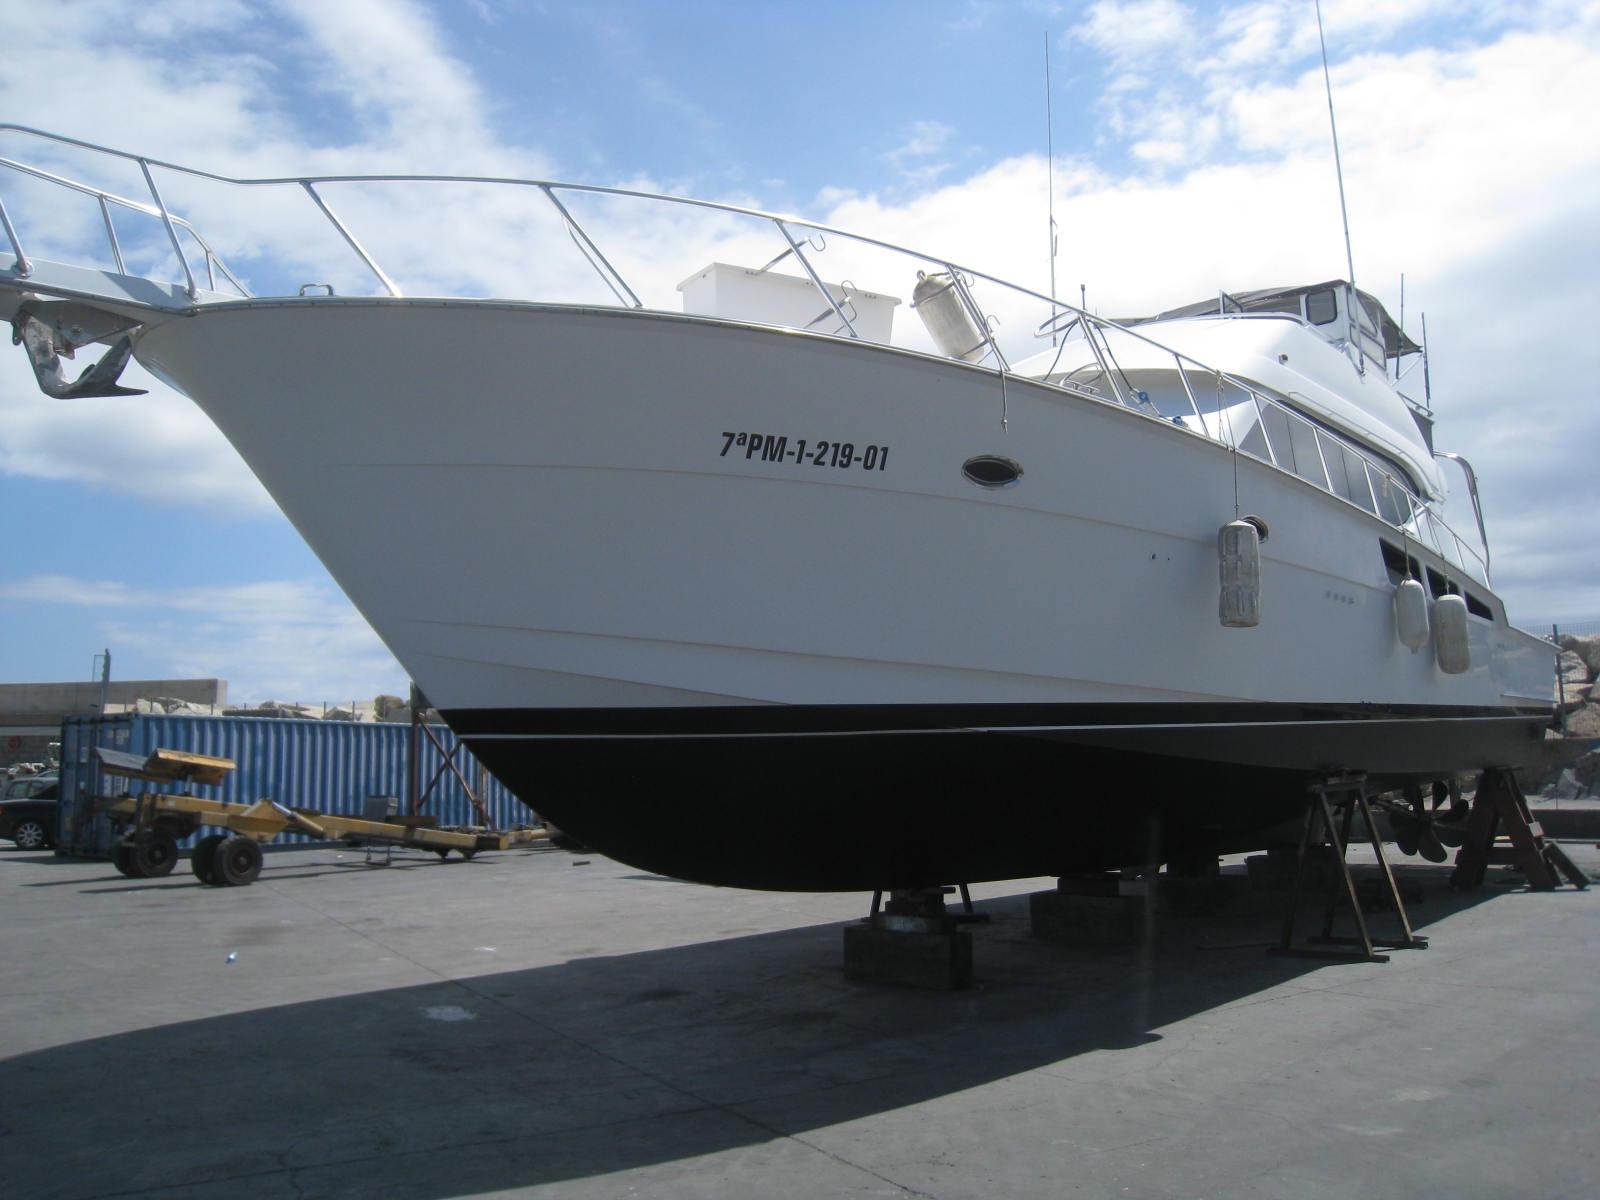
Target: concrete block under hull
{"type": "Point", "coordinates": [1275, 870]}
{"type": "Point", "coordinates": [939, 961]}
{"type": "Point", "coordinates": [1184, 896]}
{"type": "Point", "coordinates": [1087, 920]}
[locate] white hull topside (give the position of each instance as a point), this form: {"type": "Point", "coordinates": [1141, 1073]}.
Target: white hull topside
{"type": "Point", "coordinates": [534, 508]}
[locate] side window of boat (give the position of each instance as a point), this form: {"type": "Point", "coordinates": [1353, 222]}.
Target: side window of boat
{"type": "Point", "coordinates": [1355, 470]}
{"type": "Point", "coordinates": [1366, 318]}
{"type": "Point", "coordinates": [1335, 461]}
{"type": "Point", "coordinates": [1276, 422]}
{"type": "Point", "coordinates": [1394, 506]}
{"type": "Point", "coordinates": [1307, 462]}
{"type": "Point", "coordinates": [1347, 471]}
{"type": "Point", "coordinates": [1255, 443]}
{"type": "Point", "coordinates": [1321, 308]}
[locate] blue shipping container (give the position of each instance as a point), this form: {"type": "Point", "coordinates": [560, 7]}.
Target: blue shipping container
{"type": "Point", "coordinates": [328, 766]}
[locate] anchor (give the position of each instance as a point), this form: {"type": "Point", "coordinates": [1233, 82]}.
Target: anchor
{"type": "Point", "coordinates": [51, 330]}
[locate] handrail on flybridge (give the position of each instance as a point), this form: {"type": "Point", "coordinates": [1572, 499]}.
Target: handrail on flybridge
{"type": "Point", "coordinates": [1386, 495]}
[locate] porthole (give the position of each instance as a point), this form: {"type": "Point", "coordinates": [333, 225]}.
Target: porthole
{"type": "Point", "coordinates": [991, 470]}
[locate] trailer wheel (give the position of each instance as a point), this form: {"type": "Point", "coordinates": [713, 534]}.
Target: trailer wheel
{"type": "Point", "coordinates": [443, 854]}
{"type": "Point", "coordinates": [205, 856]}
{"type": "Point", "coordinates": [155, 856]}
{"type": "Point", "coordinates": [469, 853]}
{"type": "Point", "coordinates": [236, 862]}
{"type": "Point", "coordinates": [122, 858]}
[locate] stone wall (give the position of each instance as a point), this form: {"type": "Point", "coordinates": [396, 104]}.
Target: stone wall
{"type": "Point", "coordinates": [1580, 685]}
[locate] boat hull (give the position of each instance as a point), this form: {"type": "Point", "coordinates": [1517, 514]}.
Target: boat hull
{"type": "Point", "coordinates": [876, 796]}
{"type": "Point", "coordinates": [580, 529]}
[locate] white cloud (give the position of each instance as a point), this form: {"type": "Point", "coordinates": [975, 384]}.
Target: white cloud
{"type": "Point", "coordinates": [927, 139]}
{"type": "Point", "coordinates": [1363, 19]}
{"type": "Point", "coordinates": [1130, 31]}
{"type": "Point", "coordinates": [158, 447]}
{"type": "Point", "coordinates": [282, 639]}
{"type": "Point", "coordinates": [385, 59]}
{"type": "Point", "coordinates": [1251, 34]}
{"type": "Point", "coordinates": [1170, 69]}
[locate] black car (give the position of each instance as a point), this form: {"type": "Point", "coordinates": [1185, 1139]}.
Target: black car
{"type": "Point", "coordinates": [28, 811]}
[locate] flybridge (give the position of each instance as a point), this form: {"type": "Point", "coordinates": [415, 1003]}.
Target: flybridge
{"type": "Point", "coordinates": [1329, 307]}
{"type": "Point", "coordinates": [1348, 318]}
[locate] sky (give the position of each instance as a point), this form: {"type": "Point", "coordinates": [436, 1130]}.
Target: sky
{"type": "Point", "coordinates": [1191, 153]}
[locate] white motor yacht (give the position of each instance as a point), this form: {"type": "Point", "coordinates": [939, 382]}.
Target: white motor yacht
{"type": "Point", "coordinates": [783, 565]}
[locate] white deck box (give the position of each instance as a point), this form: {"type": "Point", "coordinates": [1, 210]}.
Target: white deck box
{"type": "Point", "coordinates": [772, 298]}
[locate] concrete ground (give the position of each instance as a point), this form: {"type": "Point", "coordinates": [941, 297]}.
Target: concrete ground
{"type": "Point", "coordinates": [540, 1024]}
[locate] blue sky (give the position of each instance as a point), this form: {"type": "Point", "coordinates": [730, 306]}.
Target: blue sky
{"type": "Point", "coordinates": [1191, 153]}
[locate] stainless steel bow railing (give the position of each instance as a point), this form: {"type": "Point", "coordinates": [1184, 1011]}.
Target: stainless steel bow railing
{"type": "Point", "coordinates": [1381, 492]}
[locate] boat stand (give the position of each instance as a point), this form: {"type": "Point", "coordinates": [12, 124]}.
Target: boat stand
{"type": "Point", "coordinates": [417, 795]}
{"type": "Point", "coordinates": [967, 916]}
{"type": "Point", "coordinates": [912, 940]}
{"type": "Point", "coordinates": [1500, 802]}
{"type": "Point", "coordinates": [1343, 795]}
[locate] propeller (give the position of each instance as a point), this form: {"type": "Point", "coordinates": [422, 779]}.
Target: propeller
{"type": "Point", "coordinates": [1425, 832]}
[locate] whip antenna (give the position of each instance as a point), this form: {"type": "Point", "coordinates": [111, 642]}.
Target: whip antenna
{"type": "Point", "coordinates": [1050, 180]}
{"type": "Point", "coordinates": [1050, 186]}
{"type": "Point", "coordinates": [1338, 170]}
{"type": "Point", "coordinates": [1427, 383]}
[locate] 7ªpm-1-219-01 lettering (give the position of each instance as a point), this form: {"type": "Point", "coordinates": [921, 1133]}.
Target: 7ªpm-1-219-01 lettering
{"type": "Point", "coordinates": [775, 448]}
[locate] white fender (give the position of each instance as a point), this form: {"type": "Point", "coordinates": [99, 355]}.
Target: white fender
{"type": "Point", "coordinates": [1239, 568]}
{"type": "Point", "coordinates": [1450, 635]}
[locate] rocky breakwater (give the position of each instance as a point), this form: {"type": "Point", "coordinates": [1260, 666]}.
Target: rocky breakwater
{"type": "Point", "coordinates": [1579, 669]}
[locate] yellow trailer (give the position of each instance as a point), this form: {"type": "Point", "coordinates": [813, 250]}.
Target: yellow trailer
{"type": "Point", "coordinates": [151, 823]}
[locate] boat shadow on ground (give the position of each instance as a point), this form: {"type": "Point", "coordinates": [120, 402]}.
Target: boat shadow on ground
{"type": "Point", "coordinates": [603, 1064]}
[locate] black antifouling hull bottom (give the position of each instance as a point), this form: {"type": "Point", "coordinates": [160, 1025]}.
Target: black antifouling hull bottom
{"type": "Point", "coordinates": [828, 803]}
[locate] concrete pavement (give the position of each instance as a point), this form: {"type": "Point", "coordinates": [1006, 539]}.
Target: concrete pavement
{"type": "Point", "coordinates": [541, 1024]}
